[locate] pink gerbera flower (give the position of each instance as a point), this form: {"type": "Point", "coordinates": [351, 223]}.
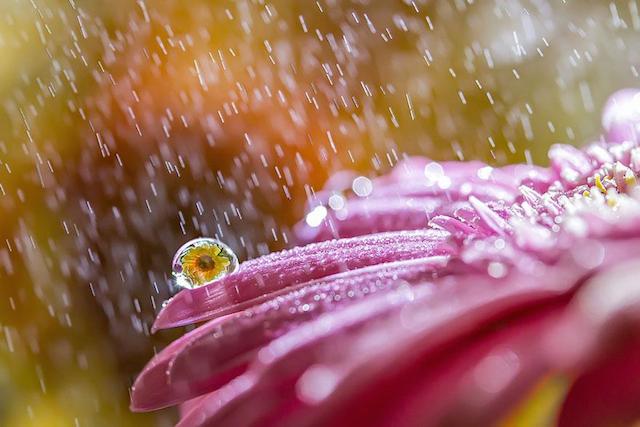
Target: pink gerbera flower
{"type": "Point", "coordinates": [451, 294]}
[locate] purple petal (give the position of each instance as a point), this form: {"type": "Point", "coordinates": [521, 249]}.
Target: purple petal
{"type": "Point", "coordinates": [607, 394]}
{"type": "Point", "coordinates": [379, 335]}
{"type": "Point", "coordinates": [262, 276]}
{"type": "Point", "coordinates": [206, 356]}
{"type": "Point", "coordinates": [621, 116]}
{"type": "Point", "coordinates": [572, 165]}
{"type": "Point", "coordinates": [364, 216]}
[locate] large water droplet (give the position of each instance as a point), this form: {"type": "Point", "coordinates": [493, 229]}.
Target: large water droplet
{"type": "Point", "coordinates": [201, 261]}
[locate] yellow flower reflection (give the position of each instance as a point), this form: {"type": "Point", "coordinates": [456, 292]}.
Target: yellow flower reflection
{"type": "Point", "coordinates": [204, 263]}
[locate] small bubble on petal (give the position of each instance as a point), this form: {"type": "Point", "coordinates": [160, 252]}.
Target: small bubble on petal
{"type": "Point", "coordinates": [316, 216]}
{"type": "Point", "coordinates": [497, 270]}
{"type": "Point", "coordinates": [336, 202]}
{"type": "Point", "coordinates": [362, 186]}
{"type": "Point", "coordinates": [433, 172]}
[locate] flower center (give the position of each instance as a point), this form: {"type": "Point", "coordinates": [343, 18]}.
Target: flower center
{"type": "Point", "coordinates": [206, 263]}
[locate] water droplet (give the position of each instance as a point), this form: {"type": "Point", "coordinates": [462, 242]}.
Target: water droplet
{"type": "Point", "coordinates": [316, 216]}
{"type": "Point", "coordinates": [362, 186]}
{"type": "Point", "coordinates": [433, 172]}
{"type": "Point", "coordinates": [201, 261]}
{"type": "Point", "coordinates": [497, 270]}
{"type": "Point", "coordinates": [336, 202]}
{"type": "Point", "coordinates": [485, 172]}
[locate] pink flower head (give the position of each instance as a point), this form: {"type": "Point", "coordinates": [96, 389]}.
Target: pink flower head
{"type": "Point", "coordinates": [451, 294]}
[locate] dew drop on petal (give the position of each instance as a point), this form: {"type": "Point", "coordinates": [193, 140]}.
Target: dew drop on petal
{"type": "Point", "coordinates": [316, 216]}
{"type": "Point", "coordinates": [316, 384]}
{"type": "Point", "coordinates": [336, 202]}
{"type": "Point", "coordinates": [433, 172]}
{"type": "Point", "coordinates": [485, 172]}
{"type": "Point", "coordinates": [342, 214]}
{"type": "Point", "coordinates": [201, 261]}
{"type": "Point", "coordinates": [497, 270]}
{"type": "Point", "coordinates": [496, 371]}
{"type": "Point", "coordinates": [589, 254]}
{"type": "Point", "coordinates": [362, 186]}
{"type": "Point", "coordinates": [444, 182]}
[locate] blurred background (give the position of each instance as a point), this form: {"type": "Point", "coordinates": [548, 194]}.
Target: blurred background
{"type": "Point", "coordinates": [128, 127]}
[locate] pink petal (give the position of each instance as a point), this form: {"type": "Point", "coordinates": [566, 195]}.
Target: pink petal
{"type": "Point", "coordinates": [454, 191]}
{"type": "Point", "coordinates": [572, 165]}
{"type": "Point", "coordinates": [621, 116]}
{"type": "Point", "coordinates": [206, 356]}
{"type": "Point", "coordinates": [490, 220]}
{"type": "Point", "coordinates": [259, 277]}
{"type": "Point", "coordinates": [356, 336]}
{"type": "Point", "coordinates": [599, 338]}
{"type": "Point", "coordinates": [607, 394]}
{"type": "Point", "coordinates": [365, 216]}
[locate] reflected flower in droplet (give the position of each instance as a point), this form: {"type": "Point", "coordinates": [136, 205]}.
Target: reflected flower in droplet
{"type": "Point", "coordinates": [201, 261]}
